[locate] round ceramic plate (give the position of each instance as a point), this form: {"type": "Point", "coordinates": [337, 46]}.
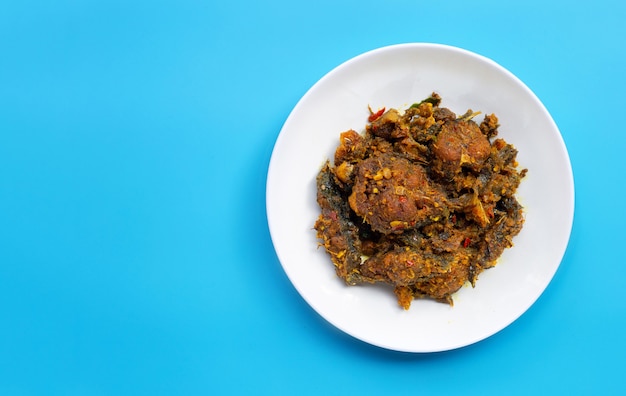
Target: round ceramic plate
{"type": "Point", "coordinates": [395, 77]}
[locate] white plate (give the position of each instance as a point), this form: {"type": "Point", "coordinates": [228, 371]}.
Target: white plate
{"type": "Point", "coordinates": [398, 76]}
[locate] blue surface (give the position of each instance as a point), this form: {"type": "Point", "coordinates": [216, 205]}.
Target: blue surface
{"type": "Point", "coordinates": [135, 257]}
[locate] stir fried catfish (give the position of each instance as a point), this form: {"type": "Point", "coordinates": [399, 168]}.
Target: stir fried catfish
{"type": "Point", "coordinates": [423, 200]}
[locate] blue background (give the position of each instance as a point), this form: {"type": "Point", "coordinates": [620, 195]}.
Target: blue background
{"type": "Point", "coordinates": [135, 257]}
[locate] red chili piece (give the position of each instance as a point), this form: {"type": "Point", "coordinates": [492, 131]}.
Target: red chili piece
{"type": "Point", "coordinates": [466, 242]}
{"type": "Point", "coordinates": [374, 116]}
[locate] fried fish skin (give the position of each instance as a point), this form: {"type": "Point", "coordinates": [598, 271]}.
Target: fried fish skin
{"type": "Point", "coordinates": [403, 266]}
{"type": "Point", "coordinates": [339, 235]}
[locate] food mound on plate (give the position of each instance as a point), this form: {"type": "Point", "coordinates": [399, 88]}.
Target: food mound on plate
{"type": "Point", "coordinates": [423, 200]}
